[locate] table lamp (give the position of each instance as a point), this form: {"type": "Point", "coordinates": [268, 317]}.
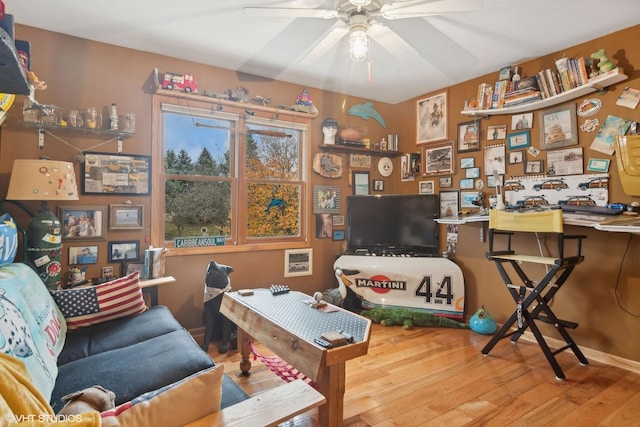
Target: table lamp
{"type": "Point", "coordinates": [39, 179]}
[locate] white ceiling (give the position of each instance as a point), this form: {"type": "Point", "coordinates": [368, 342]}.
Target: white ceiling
{"type": "Point", "coordinates": [439, 51]}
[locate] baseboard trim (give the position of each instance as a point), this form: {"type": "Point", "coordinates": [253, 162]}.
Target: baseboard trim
{"type": "Point", "coordinates": [591, 354]}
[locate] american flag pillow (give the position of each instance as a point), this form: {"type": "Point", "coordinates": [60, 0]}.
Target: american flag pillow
{"type": "Point", "coordinates": [100, 303]}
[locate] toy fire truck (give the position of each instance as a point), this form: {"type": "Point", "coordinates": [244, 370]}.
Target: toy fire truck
{"type": "Point", "coordinates": [184, 82]}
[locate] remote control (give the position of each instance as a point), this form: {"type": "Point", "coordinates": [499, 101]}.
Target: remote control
{"type": "Point", "coordinates": [323, 343]}
{"type": "Point", "coordinates": [278, 289]}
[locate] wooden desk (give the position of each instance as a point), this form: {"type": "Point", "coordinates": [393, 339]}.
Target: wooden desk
{"type": "Point", "coordinates": [287, 326]}
{"type": "Point", "coordinates": [150, 286]}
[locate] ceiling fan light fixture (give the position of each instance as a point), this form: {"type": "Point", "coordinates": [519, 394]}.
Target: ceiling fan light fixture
{"type": "Point", "coordinates": [359, 38]}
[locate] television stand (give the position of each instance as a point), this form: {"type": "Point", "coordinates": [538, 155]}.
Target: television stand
{"type": "Point", "coordinates": [431, 283]}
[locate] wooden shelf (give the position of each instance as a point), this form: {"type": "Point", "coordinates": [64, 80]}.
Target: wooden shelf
{"type": "Point", "coordinates": [595, 84]}
{"type": "Point", "coordinates": [359, 150]}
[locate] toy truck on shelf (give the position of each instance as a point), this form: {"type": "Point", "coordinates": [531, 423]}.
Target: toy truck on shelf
{"type": "Point", "coordinates": [185, 82]}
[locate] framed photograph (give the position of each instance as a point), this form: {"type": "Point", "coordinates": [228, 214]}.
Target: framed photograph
{"type": "Point", "coordinates": [517, 140]}
{"type": "Point", "coordinates": [495, 132]}
{"type": "Point", "coordinates": [324, 226]}
{"type": "Point", "coordinates": [326, 199]}
{"type": "Point", "coordinates": [466, 184]}
{"type": "Point", "coordinates": [533, 166]}
{"type": "Point", "coordinates": [505, 73]}
{"type": "Point", "coordinates": [338, 220]}
{"type": "Point", "coordinates": [522, 121]}
{"type": "Point", "coordinates": [598, 165]}
{"type": "Point", "coordinates": [472, 173]}
{"type": "Point", "coordinates": [426, 187]}
{"type": "Point", "coordinates": [445, 182]}
{"type": "Point", "coordinates": [360, 183]}
{"type": "Point", "coordinates": [494, 160]}
{"type": "Point", "coordinates": [467, 198]}
{"type": "Point", "coordinates": [449, 203]}
{"type": "Point", "coordinates": [298, 262]}
{"type": "Point", "coordinates": [126, 217]}
{"type": "Point", "coordinates": [116, 174]}
{"type": "Point", "coordinates": [558, 127]}
{"type": "Point", "coordinates": [107, 272]}
{"type": "Point", "coordinates": [124, 251]}
{"type": "Point", "coordinates": [83, 255]}
{"type": "Point", "coordinates": [132, 268]}
{"type": "Point", "coordinates": [338, 234]}
{"type": "Point", "coordinates": [378, 185]}
{"type": "Point", "coordinates": [469, 136]}
{"type": "Point", "coordinates": [438, 159]}
{"type": "Point", "coordinates": [467, 162]}
{"type": "Point", "coordinates": [516, 157]}
{"type": "Point", "coordinates": [83, 222]}
{"type": "Point", "coordinates": [568, 161]}
{"type": "Point", "coordinates": [432, 118]}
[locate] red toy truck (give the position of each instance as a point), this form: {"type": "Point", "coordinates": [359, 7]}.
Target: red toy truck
{"type": "Point", "coordinates": [185, 82]}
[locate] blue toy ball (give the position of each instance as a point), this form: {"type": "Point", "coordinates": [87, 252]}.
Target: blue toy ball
{"type": "Point", "coordinates": [482, 322]}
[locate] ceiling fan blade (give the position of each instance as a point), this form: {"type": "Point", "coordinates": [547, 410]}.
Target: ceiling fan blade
{"type": "Point", "coordinates": [327, 43]}
{"type": "Point", "coordinates": [393, 43]}
{"type": "Point", "coordinates": [289, 12]}
{"type": "Point", "coordinates": [421, 8]}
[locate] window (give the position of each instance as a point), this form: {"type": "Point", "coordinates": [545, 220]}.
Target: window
{"type": "Point", "coordinates": [227, 172]}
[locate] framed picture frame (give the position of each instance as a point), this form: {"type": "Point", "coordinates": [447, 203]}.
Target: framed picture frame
{"type": "Point", "coordinates": [445, 182]}
{"type": "Point", "coordinates": [466, 184]}
{"type": "Point", "coordinates": [338, 234]}
{"type": "Point", "coordinates": [378, 185]}
{"type": "Point", "coordinates": [432, 118]}
{"type": "Point", "coordinates": [568, 161]}
{"type": "Point", "coordinates": [116, 174]}
{"type": "Point", "coordinates": [338, 220]}
{"type": "Point", "coordinates": [558, 127]}
{"type": "Point", "coordinates": [472, 173]}
{"type": "Point", "coordinates": [522, 121]}
{"type": "Point", "coordinates": [426, 187]}
{"type": "Point", "coordinates": [125, 250]}
{"type": "Point", "coordinates": [326, 199]}
{"type": "Point", "coordinates": [360, 184]}
{"type": "Point", "coordinates": [298, 262]}
{"type": "Point", "coordinates": [324, 226]}
{"type": "Point", "coordinates": [133, 267]}
{"type": "Point", "coordinates": [438, 159]}
{"type": "Point", "coordinates": [80, 255]}
{"type": "Point", "coordinates": [519, 139]}
{"type": "Point", "coordinates": [467, 198]}
{"type": "Point", "coordinates": [83, 222]}
{"type": "Point", "coordinates": [495, 132]}
{"type": "Point", "coordinates": [107, 272]}
{"type": "Point", "coordinates": [494, 160]}
{"type": "Point", "coordinates": [467, 162]}
{"type": "Point", "coordinates": [516, 157]}
{"type": "Point", "coordinates": [598, 165]}
{"type": "Point", "coordinates": [126, 217]}
{"type": "Point", "coordinates": [469, 136]}
{"type": "Point", "coordinates": [449, 205]}
{"type": "Point", "coordinates": [505, 73]}
{"type": "Point", "coordinates": [534, 166]}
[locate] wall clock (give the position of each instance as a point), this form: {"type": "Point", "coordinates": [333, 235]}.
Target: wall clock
{"type": "Point", "coordinates": [385, 166]}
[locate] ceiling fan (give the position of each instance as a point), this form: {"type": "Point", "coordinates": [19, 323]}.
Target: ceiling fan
{"type": "Point", "coordinates": [360, 19]}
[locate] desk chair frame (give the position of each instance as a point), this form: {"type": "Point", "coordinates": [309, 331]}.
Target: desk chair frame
{"type": "Point", "coordinates": [506, 224]}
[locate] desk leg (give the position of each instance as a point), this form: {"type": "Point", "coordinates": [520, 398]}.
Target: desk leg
{"type": "Point", "coordinates": [245, 351]}
{"type": "Point", "coordinates": [332, 386]}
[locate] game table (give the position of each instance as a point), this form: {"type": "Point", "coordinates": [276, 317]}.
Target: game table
{"type": "Point", "coordinates": [287, 324]}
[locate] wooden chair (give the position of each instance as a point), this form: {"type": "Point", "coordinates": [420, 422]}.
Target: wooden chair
{"type": "Point", "coordinates": [502, 227]}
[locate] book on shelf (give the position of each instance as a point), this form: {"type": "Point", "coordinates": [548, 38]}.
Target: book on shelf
{"type": "Point", "coordinates": [154, 263]}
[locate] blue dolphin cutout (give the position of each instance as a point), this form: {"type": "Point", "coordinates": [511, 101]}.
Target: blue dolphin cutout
{"type": "Point", "coordinates": [275, 203]}
{"type": "Point", "coordinates": [366, 111]}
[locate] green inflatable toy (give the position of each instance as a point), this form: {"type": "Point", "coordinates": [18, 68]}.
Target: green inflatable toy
{"type": "Point", "coordinates": [408, 318]}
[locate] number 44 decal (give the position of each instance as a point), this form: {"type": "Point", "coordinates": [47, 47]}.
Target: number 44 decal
{"type": "Point", "coordinates": [443, 293]}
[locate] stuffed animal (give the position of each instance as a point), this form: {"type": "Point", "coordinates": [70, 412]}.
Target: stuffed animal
{"type": "Point", "coordinates": [343, 296]}
{"type": "Point", "coordinates": [604, 64]}
{"type": "Point", "coordinates": [409, 317]}
{"type": "Point", "coordinates": [94, 398]}
{"type": "Point", "coordinates": [217, 282]}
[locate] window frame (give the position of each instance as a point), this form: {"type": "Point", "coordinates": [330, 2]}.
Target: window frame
{"type": "Point", "coordinates": [261, 116]}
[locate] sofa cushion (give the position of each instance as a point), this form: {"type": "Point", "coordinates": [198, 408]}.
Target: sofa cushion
{"type": "Point", "coordinates": [96, 304]}
{"type": "Point", "coordinates": [195, 397]}
{"type": "Point", "coordinates": [117, 333]}
{"type": "Point", "coordinates": [32, 328]}
{"type": "Point", "coordinates": [127, 371]}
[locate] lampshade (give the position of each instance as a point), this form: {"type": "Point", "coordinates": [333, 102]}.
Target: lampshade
{"type": "Point", "coordinates": [36, 179]}
{"type": "Point", "coordinates": [358, 37]}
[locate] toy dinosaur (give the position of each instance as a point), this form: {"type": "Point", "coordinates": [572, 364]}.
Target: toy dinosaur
{"type": "Point", "coordinates": [407, 318]}
{"type": "Point", "coordinates": [604, 64]}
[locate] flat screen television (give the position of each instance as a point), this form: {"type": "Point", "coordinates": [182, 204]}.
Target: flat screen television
{"type": "Point", "coordinates": [393, 224]}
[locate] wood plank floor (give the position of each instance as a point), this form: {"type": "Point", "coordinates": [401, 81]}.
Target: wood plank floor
{"type": "Point", "coordinates": [439, 377]}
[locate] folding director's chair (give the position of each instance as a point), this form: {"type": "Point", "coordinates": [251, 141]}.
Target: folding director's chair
{"type": "Point", "coordinates": [532, 297]}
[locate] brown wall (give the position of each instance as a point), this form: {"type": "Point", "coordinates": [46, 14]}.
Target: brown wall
{"type": "Point", "coordinates": [81, 73]}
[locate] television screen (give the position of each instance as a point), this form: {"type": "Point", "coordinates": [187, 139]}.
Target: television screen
{"type": "Point", "coordinates": [393, 224]}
